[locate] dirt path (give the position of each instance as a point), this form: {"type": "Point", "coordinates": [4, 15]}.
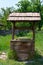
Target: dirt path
{"type": "Point", "coordinates": [3, 56]}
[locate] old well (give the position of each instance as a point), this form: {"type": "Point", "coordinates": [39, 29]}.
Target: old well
{"type": "Point", "coordinates": [24, 47]}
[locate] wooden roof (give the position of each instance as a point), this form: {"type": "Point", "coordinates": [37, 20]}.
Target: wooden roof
{"type": "Point", "coordinates": [24, 16]}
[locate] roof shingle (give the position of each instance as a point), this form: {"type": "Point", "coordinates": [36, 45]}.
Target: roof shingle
{"type": "Point", "coordinates": [24, 17]}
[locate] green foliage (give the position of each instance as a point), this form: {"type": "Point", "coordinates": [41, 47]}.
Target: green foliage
{"type": "Point", "coordinates": [12, 54]}
{"type": "Point", "coordinates": [22, 33]}
{"type": "Point", "coordinates": [37, 55]}
{"type": "Point", "coordinates": [23, 5]}
{"type": "Point", "coordinates": [23, 25]}
{"type": "Point", "coordinates": [5, 42]}
{"type": "Point", "coordinates": [4, 16]}
{"type": "Point", "coordinates": [11, 62]}
{"type": "Point", "coordinates": [37, 7]}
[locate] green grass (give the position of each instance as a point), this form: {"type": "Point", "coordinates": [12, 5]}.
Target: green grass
{"type": "Point", "coordinates": [12, 62]}
{"type": "Point", "coordinates": [39, 42]}
{"type": "Point", "coordinates": [5, 45]}
{"type": "Point", "coordinates": [5, 42]}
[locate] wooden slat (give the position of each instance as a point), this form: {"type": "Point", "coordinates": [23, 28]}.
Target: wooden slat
{"type": "Point", "coordinates": [24, 28]}
{"type": "Point", "coordinates": [24, 19]}
{"type": "Point", "coordinates": [13, 30]}
{"type": "Point", "coordinates": [25, 14]}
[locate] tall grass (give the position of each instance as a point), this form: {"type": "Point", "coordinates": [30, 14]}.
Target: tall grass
{"type": "Point", "coordinates": [5, 42]}
{"type": "Point", "coordinates": [39, 42]}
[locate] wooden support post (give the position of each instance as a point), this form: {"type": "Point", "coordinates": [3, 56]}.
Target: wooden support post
{"type": "Point", "coordinates": [34, 36]}
{"type": "Point", "coordinates": [34, 32]}
{"type": "Point", "coordinates": [13, 30]}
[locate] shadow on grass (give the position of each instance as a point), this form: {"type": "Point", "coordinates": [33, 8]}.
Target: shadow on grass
{"type": "Point", "coordinates": [36, 60]}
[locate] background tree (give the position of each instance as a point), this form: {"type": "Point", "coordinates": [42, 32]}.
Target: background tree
{"type": "Point", "coordinates": [24, 6]}
{"type": "Point", "coordinates": [37, 7]}
{"type": "Point", "coordinates": [5, 13]}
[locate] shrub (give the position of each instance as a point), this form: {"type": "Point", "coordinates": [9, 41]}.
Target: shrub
{"type": "Point", "coordinates": [37, 55]}
{"type": "Point", "coordinates": [12, 54]}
